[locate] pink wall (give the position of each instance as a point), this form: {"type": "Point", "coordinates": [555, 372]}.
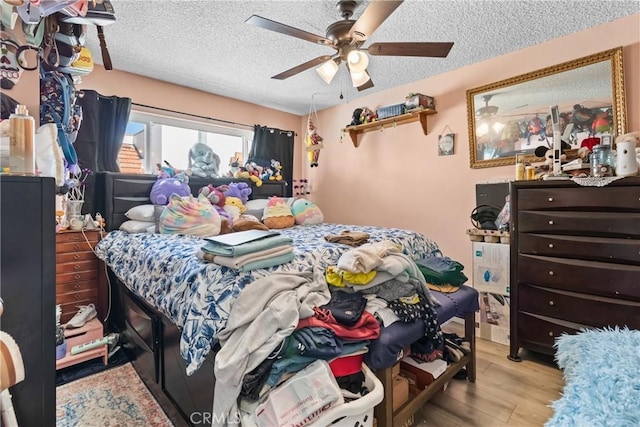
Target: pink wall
{"type": "Point", "coordinates": [156, 93]}
{"type": "Point", "coordinates": [396, 178]}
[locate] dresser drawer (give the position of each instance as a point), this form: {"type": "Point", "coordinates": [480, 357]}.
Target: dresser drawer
{"type": "Point", "coordinates": [77, 236]}
{"type": "Point", "coordinates": [65, 288]}
{"type": "Point", "coordinates": [74, 257]}
{"type": "Point", "coordinates": [582, 223]}
{"type": "Point", "coordinates": [579, 198]}
{"type": "Point", "coordinates": [598, 278]}
{"type": "Point", "coordinates": [74, 267]}
{"type": "Point", "coordinates": [74, 297]}
{"type": "Point", "coordinates": [591, 248]}
{"type": "Point", "coordinates": [76, 246]}
{"type": "Point", "coordinates": [76, 277]}
{"type": "Point", "coordinates": [580, 308]}
{"type": "Point", "coordinates": [540, 332]}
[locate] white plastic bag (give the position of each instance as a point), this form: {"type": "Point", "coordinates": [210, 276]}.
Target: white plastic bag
{"type": "Point", "coordinates": [301, 399]}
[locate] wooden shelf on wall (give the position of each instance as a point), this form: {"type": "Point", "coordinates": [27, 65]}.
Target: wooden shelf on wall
{"type": "Point", "coordinates": [409, 117]}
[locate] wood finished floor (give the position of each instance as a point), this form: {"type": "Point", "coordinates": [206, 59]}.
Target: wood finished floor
{"type": "Point", "coordinates": [505, 393]}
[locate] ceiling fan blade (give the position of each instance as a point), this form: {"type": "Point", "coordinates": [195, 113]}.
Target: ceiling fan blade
{"type": "Point", "coordinates": [302, 67]}
{"type": "Point", "coordinates": [367, 85]}
{"type": "Point", "coordinates": [268, 24]}
{"type": "Point", "coordinates": [372, 17]}
{"type": "Point", "coordinates": [436, 50]}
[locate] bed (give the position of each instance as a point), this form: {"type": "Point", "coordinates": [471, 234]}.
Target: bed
{"type": "Point", "coordinates": [169, 305]}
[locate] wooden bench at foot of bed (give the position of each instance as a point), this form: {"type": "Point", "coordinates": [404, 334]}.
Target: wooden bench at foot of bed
{"type": "Point", "coordinates": [384, 413]}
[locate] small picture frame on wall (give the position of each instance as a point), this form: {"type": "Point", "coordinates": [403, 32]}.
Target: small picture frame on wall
{"type": "Point", "coordinates": [606, 140]}
{"type": "Point", "coordinates": [446, 144]}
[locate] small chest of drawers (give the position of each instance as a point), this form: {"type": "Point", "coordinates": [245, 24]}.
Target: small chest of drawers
{"type": "Point", "coordinates": [80, 276]}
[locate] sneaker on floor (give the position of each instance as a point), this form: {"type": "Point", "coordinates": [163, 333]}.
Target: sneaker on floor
{"type": "Point", "coordinates": [86, 313]}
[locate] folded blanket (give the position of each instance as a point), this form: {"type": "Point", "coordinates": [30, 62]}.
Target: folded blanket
{"type": "Point", "coordinates": [270, 262]}
{"type": "Point", "coordinates": [245, 248]}
{"type": "Point", "coordinates": [242, 260]}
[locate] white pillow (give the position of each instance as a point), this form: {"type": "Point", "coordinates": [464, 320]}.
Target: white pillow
{"type": "Point", "coordinates": [133, 226]}
{"type": "Point", "coordinates": [141, 213]}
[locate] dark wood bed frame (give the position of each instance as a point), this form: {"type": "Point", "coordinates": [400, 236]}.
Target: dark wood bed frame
{"type": "Point", "coordinates": [153, 341]}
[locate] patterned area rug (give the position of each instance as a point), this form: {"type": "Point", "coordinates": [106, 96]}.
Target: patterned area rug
{"type": "Point", "coordinates": [116, 397]}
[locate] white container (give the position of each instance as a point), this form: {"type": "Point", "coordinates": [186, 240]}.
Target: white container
{"type": "Point", "coordinates": [626, 162]}
{"type": "Point", "coordinates": [358, 412]}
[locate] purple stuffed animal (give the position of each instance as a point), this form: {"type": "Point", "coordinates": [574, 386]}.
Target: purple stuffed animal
{"type": "Point", "coordinates": [165, 186]}
{"type": "Point", "coordinates": [241, 190]}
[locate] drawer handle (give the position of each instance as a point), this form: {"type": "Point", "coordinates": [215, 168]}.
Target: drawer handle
{"type": "Point", "coordinates": [551, 273]}
{"type": "Point", "coordinates": [550, 245]}
{"type": "Point", "coordinates": [551, 199]}
{"type": "Point", "coordinates": [76, 256]}
{"type": "Point", "coordinates": [76, 267]}
{"type": "Point", "coordinates": [551, 302]}
{"type": "Point", "coordinates": [77, 296]}
{"type": "Point", "coordinates": [76, 247]}
{"type": "Point", "coordinates": [550, 333]}
{"type": "Point", "coordinates": [76, 286]}
{"type": "Point", "coordinates": [77, 276]}
{"type": "Point", "coordinates": [550, 222]}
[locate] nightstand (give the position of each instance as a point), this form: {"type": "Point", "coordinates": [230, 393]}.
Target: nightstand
{"type": "Point", "coordinates": [80, 275]}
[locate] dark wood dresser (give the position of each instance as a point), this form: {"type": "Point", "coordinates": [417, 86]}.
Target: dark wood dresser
{"type": "Point", "coordinates": [575, 260]}
{"type": "Point", "coordinates": [80, 276]}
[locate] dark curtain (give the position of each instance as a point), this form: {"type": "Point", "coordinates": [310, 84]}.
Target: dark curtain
{"type": "Point", "coordinates": [270, 143]}
{"type": "Point", "coordinates": [104, 121]}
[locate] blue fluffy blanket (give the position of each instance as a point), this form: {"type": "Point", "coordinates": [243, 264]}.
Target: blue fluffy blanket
{"type": "Point", "coordinates": [602, 379]}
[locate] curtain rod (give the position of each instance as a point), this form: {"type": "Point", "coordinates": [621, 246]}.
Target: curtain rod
{"type": "Point", "coordinates": [191, 115]}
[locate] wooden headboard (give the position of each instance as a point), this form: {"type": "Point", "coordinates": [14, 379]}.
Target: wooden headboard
{"type": "Point", "coordinates": [119, 192]}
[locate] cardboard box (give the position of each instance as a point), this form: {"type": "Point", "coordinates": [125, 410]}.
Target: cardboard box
{"type": "Point", "coordinates": [493, 319]}
{"type": "Point", "coordinates": [425, 372]}
{"type": "Point", "coordinates": [395, 370]}
{"type": "Point", "coordinates": [491, 267]}
{"type": "Point", "coordinates": [400, 391]}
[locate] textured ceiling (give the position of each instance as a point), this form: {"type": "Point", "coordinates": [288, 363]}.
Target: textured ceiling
{"type": "Point", "coordinates": [206, 45]}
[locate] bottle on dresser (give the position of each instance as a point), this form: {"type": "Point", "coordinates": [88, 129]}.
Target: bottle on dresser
{"type": "Point", "coordinates": [22, 157]}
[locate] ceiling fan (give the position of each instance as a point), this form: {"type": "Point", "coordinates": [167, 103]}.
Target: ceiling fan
{"type": "Point", "coordinates": [347, 38]}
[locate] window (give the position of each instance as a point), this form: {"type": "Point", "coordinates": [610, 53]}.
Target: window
{"type": "Point", "coordinates": [158, 139]}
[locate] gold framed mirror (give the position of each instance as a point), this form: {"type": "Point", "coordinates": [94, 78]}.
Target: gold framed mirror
{"type": "Point", "coordinates": [512, 116]}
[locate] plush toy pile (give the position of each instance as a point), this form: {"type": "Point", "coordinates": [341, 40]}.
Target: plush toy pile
{"type": "Point", "coordinates": [216, 210]}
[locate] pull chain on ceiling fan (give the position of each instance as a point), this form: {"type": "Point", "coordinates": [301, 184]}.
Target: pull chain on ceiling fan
{"type": "Point", "coordinates": [347, 38]}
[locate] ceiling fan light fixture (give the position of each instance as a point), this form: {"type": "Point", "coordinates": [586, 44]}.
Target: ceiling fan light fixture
{"type": "Point", "coordinates": [358, 79]}
{"type": "Point", "coordinates": [328, 70]}
{"type": "Point", "coordinates": [358, 61]}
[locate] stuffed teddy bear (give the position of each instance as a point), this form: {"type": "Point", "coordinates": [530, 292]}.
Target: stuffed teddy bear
{"type": "Point", "coordinates": [203, 162]}
{"type": "Point", "coordinates": [277, 214]}
{"type": "Point", "coordinates": [165, 186]}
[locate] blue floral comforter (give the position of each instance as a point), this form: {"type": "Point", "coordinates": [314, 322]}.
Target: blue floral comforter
{"type": "Point", "coordinates": [197, 296]}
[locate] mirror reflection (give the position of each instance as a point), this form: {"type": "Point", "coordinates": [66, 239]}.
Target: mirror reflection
{"type": "Point", "coordinates": [513, 116]}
